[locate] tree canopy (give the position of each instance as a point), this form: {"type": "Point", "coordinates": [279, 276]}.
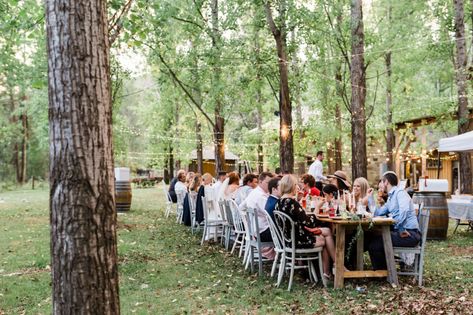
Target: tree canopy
{"type": "Point", "coordinates": [178, 66]}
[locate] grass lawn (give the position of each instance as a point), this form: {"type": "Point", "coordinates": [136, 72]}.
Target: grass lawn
{"type": "Point", "coordinates": [164, 270]}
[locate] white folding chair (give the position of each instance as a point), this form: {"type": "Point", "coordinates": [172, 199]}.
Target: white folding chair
{"type": "Point", "coordinates": [292, 254]}
{"type": "Point", "coordinates": [239, 228]}
{"type": "Point", "coordinates": [169, 204]}
{"type": "Point", "coordinates": [418, 251]}
{"type": "Point", "coordinates": [277, 241]}
{"type": "Point", "coordinates": [226, 226]}
{"type": "Point", "coordinates": [208, 222]}
{"type": "Point", "coordinates": [180, 206]}
{"type": "Point", "coordinates": [255, 244]}
{"type": "Point", "coordinates": [191, 199]}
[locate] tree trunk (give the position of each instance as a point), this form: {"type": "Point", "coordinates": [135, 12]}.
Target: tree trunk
{"type": "Point", "coordinates": [338, 139]}
{"type": "Point", "coordinates": [259, 101]}
{"type": "Point", "coordinates": [177, 161]}
{"type": "Point", "coordinates": [24, 145]}
{"type": "Point", "coordinates": [219, 133]}
{"type": "Point", "coordinates": [82, 202]}
{"type": "Point", "coordinates": [390, 140]}
{"type": "Point", "coordinates": [330, 159]}
{"type": "Point", "coordinates": [15, 147]}
{"type": "Point", "coordinates": [219, 126]}
{"type": "Point", "coordinates": [358, 92]}
{"type": "Point", "coordinates": [171, 161]}
{"type": "Point", "coordinates": [200, 159]}
{"type": "Point", "coordinates": [286, 146]}
{"type": "Point", "coordinates": [338, 116]}
{"type": "Point", "coordinates": [461, 80]}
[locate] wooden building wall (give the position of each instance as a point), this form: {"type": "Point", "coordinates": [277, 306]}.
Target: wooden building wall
{"type": "Point", "coordinates": [209, 166]}
{"type": "Point", "coordinates": [445, 173]}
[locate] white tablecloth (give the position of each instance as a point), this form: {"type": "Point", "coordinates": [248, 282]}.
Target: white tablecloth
{"type": "Point", "coordinates": [460, 210]}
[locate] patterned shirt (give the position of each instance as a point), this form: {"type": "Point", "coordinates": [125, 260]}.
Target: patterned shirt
{"type": "Point", "coordinates": [304, 238]}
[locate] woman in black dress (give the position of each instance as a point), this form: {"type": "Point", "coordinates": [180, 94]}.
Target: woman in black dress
{"type": "Point", "coordinates": [309, 232]}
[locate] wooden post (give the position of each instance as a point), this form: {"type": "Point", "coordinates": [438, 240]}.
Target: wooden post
{"type": "Point", "coordinates": [438, 166]}
{"type": "Point", "coordinates": [424, 153]}
{"type": "Point", "coordinates": [389, 253]}
{"type": "Point", "coordinates": [359, 251]}
{"type": "Point", "coordinates": [340, 257]}
{"type": "Point", "coordinates": [398, 156]}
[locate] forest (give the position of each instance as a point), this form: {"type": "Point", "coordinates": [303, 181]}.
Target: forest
{"type": "Point", "coordinates": [271, 81]}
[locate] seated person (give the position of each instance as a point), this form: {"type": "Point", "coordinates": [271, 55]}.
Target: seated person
{"type": "Point", "coordinates": [180, 186]}
{"type": "Point", "coordinates": [382, 196]}
{"type": "Point", "coordinates": [220, 179]}
{"type": "Point", "coordinates": [273, 188]}
{"type": "Point", "coordinates": [229, 187]}
{"type": "Point", "coordinates": [308, 231]}
{"type": "Point", "coordinates": [339, 179]}
{"type": "Point", "coordinates": [250, 181]}
{"type": "Point", "coordinates": [309, 188]}
{"type": "Point", "coordinates": [399, 206]}
{"type": "Point", "coordinates": [172, 190]}
{"type": "Point", "coordinates": [363, 195]}
{"type": "Point", "coordinates": [257, 200]}
{"type": "Point", "coordinates": [328, 201]}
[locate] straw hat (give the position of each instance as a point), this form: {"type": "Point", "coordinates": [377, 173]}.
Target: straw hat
{"type": "Point", "coordinates": [341, 176]}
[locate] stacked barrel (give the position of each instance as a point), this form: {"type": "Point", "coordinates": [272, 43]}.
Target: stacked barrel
{"type": "Point", "coordinates": [122, 189]}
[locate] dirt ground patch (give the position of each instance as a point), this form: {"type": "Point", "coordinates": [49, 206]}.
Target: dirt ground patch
{"type": "Point", "coordinates": [461, 250]}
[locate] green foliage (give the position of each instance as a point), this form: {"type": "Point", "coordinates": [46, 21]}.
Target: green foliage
{"type": "Point", "coordinates": [153, 116]}
{"type": "Point", "coordinates": [23, 89]}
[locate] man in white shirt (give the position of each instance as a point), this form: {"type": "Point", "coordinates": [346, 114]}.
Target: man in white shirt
{"type": "Point", "coordinates": [257, 200]}
{"type": "Point", "coordinates": [316, 169]}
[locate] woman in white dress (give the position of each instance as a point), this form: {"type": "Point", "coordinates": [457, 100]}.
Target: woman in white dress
{"type": "Point", "coordinates": [229, 188]}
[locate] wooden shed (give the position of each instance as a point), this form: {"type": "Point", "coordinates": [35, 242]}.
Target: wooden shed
{"type": "Point", "coordinates": [208, 153]}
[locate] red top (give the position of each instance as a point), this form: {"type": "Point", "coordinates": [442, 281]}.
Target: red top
{"type": "Point", "coordinates": [313, 192]}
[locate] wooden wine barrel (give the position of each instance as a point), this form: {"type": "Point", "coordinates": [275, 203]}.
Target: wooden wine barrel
{"type": "Point", "coordinates": [436, 202]}
{"type": "Point", "coordinates": [123, 195]}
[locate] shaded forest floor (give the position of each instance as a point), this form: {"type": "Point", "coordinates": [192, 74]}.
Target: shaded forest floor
{"type": "Point", "coordinates": [164, 270]}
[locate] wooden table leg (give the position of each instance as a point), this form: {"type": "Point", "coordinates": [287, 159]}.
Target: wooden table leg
{"type": "Point", "coordinates": [339, 257]}
{"type": "Point", "coordinates": [359, 251]}
{"type": "Point", "coordinates": [389, 253]}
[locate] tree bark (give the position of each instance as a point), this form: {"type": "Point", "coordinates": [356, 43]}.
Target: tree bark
{"type": "Point", "coordinates": [200, 159]}
{"type": "Point", "coordinates": [390, 140]}
{"type": "Point", "coordinates": [259, 109]}
{"type": "Point", "coordinates": [171, 161]}
{"type": "Point", "coordinates": [338, 139]}
{"type": "Point", "coordinates": [286, 146]}
{"type": "Point", "coordinates": [461, 80]}
{"type": "Point", "coordinates": [219, 126]}
{"type": "Point", "coordinates": [15, 146]}
{"type": "Point", "coordinates": [358, 92]}
{"type": "Point", "coordinates": [82, 202]}
{"type": "Point", "coordinates": [24, 147]}
{"type": "Point", "coordinates": [219, 136]}
{"type": "Point", "coordinates": [177, 161]}
{"type": "Point", "coordinates": [338, 116]}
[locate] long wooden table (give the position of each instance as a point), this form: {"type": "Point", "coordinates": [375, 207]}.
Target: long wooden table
{"type": "Point", "coordinates": [378, 223]}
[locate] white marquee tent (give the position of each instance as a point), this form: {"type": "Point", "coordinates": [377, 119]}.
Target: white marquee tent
{"type": "Point", "coordinates": [460, 143]}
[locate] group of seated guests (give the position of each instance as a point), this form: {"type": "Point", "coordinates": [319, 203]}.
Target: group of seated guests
{"type": "Point", "coordinates": [269, 192]}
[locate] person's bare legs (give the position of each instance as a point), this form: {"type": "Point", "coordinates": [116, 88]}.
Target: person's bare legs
{"type": "Point", "coordinates": [320, 242]}
{"type": "Point", "coordinates": [329, 242]}
{"type": "Point", "coordinates": [326, 262]}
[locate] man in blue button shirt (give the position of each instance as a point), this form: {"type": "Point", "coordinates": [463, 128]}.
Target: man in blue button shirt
{"type": "Point", "coordinates": [273, 187]}
{"type": "Point", "coordinates": [399, 207]}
